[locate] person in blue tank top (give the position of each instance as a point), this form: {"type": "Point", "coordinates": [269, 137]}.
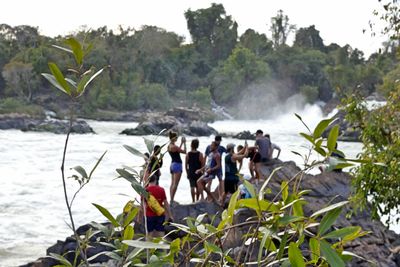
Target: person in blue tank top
{"type": "Point", "coordinates": [176, 161]}
{"type": "Point", "coordinates": [231, 171]}
{"type": "Point", "coordinates": [211, 170]}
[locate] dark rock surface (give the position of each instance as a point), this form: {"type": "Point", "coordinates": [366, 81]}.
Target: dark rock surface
{"type": "Point", "coordinates": [346, 131]}
{"type": "Point", "coordinates": [181, 120]}
{"type": "Point", "coordinates": [381, 246]}
{"type": "Point", "coordinates": [26, 123]}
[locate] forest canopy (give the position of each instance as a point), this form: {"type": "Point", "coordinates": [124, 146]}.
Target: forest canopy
{"type": "Point", "coordinates": [151, 68]}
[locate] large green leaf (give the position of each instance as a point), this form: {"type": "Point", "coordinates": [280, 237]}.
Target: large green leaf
{"type": "Point", "coordinates": [266, 234]}
{"type": "Point", "coordinates": [149, 144]}
{"type": "Point", "coordinates": [250, 188]}
{"type": "Point", "coordinates": [134, 151]}
{"type": "Point", "coordinates": [343, 232]}
{"type": "Point", "coordinates": [331, 207]}
{"type": "Point", "coordinates": [86, 84]}
{"type": "Point", "coordinates": [97, 164]}
{"type": "Point", "coordinates": [327, 221]}
{"type": "Point", "coordinates": [282, 246]}
{"type": "Point", "coordinates": [135, 184]}
{"type": "Point", "coordinates": [331, 255]}
{"type": "Point", "coordinates": [81, 171]}
{"type": "Point", "coordinates": [308, 137]}
{"type": "Point", "coordinates": [145, 244]}
{"type": "Point", "coordinates": [106, 214]}
{"type": "Point", "coordinates": [332, 138]}
{"type": "Point", "coordinates": [59, 77]}
{"type": "Point", "coordinates": [76, 48]}
{"type": "Point", "coordinates": [232, 206]}
{"type": "Point", "coordinates": [252, 203]}
{"type": "Point", "coordinates": [320, 128]}
{"type": "Point", "coordinates": [264, 186]}
{"type": "Point", "coordinates": [132, 214]}
{"type": "Point", "coordinates": [315, 250]}
{"type": "Point", "coordinates": [54, 82]}
{"type": "Point", "coordinates": [295, 256]}
{"type": "Point", "coordinates": [128, 232]}
{"type": "Point", "coordinates": [61, 259]}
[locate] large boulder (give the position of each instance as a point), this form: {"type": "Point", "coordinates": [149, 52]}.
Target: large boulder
{"type": "Point", "coordinates": [59, 127]}
{"type": "Point", "coordinates": [27, 123]}
{"type": "Point", "coordinates": [346, 131]}
{"type": "Point", "coordinates": [155, 124]}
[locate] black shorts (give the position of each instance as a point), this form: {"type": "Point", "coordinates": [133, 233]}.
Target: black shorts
{"type": "Point", "coordinates": [193, 179]}
{"type": "Point", "coordinates": [256, 158]}
{"type": "Point", "coordinates": [155, 223]}
{"type": "Point", "coordinates": [231, 185]}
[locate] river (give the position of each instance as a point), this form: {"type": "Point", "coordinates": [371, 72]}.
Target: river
{"type": "Point", "coordinates": [32, 208]}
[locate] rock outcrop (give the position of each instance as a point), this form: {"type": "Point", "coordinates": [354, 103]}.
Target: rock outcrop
{"type": "Point", "coordinates": [182, 120]}
{"type": "Point", "coordinates": [26, 123]}
{"type": "Point", "coordinates": [381, 246]}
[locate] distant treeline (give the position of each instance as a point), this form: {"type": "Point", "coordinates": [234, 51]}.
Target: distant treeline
{"type": "Point", "coordinates": [152, 68]}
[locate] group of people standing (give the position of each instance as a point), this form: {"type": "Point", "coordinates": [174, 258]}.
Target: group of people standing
{"type": "Point", "coordinates": [202, 169]}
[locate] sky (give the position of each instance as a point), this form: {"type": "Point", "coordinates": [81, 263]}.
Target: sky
{"type": "Point", "coordinates": [339, 21]}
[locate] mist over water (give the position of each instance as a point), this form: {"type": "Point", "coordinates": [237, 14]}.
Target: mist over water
{"type": "Point", "coordinates": [267, 100]}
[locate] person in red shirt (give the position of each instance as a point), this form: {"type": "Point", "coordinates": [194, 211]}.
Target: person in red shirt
{"type": "Point", "coordinates": [155, 223]}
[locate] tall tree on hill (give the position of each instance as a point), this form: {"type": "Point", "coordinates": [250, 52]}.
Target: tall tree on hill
{"type": "Point", "coordinates": [280, 28]}
{"type": "Point", "coordinates": [256, 42]}
{"type": "Point", "coordinates": [213, 33]}
{"type": "Point", "coordinates": [309, 38]}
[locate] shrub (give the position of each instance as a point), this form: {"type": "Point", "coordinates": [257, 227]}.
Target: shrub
{"type": "Point", "coordinates": [15, 105]}
{"type": "Point", "coordinates": [309, 92]}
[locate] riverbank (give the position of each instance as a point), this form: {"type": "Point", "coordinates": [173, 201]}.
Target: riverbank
{"type": "Point", "coordinates": [380, 246]}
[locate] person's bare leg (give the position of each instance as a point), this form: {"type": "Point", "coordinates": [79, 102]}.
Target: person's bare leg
{"type": "Point", "coordinates": [220, 188]}
{"type": "Point", "coordinates": [193, 193]}
{"type": "Point", "coordinates": [174, 187]}
{"type": "Point", "coordinates": [200, 188]}
{"type": "Point", "coordinates": [208, 186]}
{"type": "Point", "coordinates": [209, 194]}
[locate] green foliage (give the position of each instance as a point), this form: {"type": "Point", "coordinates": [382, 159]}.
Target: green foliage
{"type": "Point", "coordinates": [377, 181]}
{"type": "Point", "coordinates": [150, 96]}
{"type": "Point", "coordinates": [309, 92]}
{"type": "Point", "coordinates": [16, 105]}
{"type": "Point", "coordinates": [240, 70]}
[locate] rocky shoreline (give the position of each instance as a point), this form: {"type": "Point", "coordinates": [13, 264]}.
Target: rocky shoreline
{"type": "Point", "coordinates": [26, 123]}
{"type": "Point", "coordinates": [380, 246]}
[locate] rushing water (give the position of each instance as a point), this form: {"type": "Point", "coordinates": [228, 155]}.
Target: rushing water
{"type": "Point", "coordinates": [32, 208]}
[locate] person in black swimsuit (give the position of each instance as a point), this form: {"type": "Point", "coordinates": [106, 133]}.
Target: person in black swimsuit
{"type": "Point", "coordinates": [194, 161]}
{"type": "Point", "coordinates": [176, 161]}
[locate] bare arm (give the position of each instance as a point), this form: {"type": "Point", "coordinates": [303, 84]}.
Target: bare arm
{"type": "Point", "coordinates": [187, 163]}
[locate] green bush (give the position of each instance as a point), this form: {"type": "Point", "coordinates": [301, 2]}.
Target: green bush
{"type": "Point", "coordinates": [309, 92]}
{"type": "Point", "coordinates": [15, 105]}
{"type": "Point", "coordinates": [150, 96]}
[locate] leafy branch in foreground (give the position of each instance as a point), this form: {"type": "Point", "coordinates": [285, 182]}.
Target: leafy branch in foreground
{"type": "Point", "coordinates": [74, 85]}
{"type": "Point", "coordinates": [277, 230]}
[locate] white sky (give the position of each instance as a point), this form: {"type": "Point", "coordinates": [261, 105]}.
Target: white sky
{"type": "Point", "coordinates": [340, 21]}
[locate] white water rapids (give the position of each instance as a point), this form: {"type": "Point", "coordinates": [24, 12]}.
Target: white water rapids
{"type": "Point", "coordinates": [32, 207]}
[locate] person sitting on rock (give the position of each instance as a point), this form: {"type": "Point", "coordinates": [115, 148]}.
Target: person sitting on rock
{"type": "Point", "coordinates": [156, 218]}
{"type": "Point", "coordinates": [263, 144]}
{"type": "Point", "coordinates": [231, 172]}
{"type": "Point", "coordinates": [221, 150]}
{"type": "Point", "coordinates": [211, 170]}
{"type": "Point", "coordinates": [272, 148]}
{"type": "Point", "coordinates": [176, 161]}
{"type": "Point", "coordinates": [194, 161]}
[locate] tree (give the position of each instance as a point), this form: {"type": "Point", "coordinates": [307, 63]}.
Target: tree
{"type": "Point", "coordinates": [280, 28]}
{"type": "Point", "coordinates": [20, 78]}
{"type": "Point", "coordinates": [240, 70]}
{"type": "Point", "coordinates": [213, 33]}
{"type": "Point", "coordinates": [256, 42]}
{"type": "Point", "coordinates": [309, 38]}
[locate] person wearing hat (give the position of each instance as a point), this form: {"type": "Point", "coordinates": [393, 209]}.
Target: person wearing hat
{"type": "Point", "coordinates": [231, 171]}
